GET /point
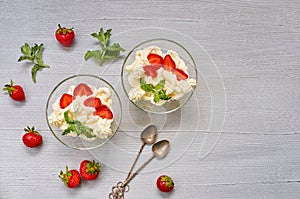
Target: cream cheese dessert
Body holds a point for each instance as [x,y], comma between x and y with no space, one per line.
[158,76]
[83,111]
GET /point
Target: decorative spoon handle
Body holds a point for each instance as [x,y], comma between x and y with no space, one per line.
[135,160]
[159,149]
[138,170]
[117,191]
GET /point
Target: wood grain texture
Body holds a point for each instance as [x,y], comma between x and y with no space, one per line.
[245,145]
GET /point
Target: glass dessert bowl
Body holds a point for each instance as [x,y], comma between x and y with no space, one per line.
[83,112]
[159,76]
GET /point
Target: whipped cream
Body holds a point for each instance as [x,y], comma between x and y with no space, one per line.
[78,111]
[174,88]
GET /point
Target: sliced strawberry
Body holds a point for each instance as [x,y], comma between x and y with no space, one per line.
[155,59]
[180,74]
[169,63]
[82,89]
[151,70]
[104,112]
[93,102]
[65,100]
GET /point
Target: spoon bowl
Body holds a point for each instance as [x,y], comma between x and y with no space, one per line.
[149,134]
[160,149]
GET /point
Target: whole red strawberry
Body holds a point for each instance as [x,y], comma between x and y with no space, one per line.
[16,92]
[32,138]
[71,178]
[164,183]
[89,170]
[65,36]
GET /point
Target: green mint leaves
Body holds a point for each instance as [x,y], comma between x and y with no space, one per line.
[158,91]
[107,52]
[33,54]
[77,127]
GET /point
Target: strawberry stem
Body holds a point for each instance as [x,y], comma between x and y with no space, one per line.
[9,87]
[31,130]
[92,167]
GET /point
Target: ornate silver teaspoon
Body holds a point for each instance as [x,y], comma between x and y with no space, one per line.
[148,136]
[160,150]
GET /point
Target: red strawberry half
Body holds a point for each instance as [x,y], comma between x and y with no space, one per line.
[155,59]
[71,178]
[89,170]
[82,89]
[169,63]
[93,102]
[151,70]
[104,112]
[180,74]
[65,100]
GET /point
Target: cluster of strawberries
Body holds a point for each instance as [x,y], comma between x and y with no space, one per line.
[88,170]
[83,89]
[166,62]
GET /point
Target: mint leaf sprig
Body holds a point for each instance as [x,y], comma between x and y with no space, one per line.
[158,91]
[107,52]
[77,127]
[33,54]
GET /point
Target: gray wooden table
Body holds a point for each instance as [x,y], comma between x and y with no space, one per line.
[238,137]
